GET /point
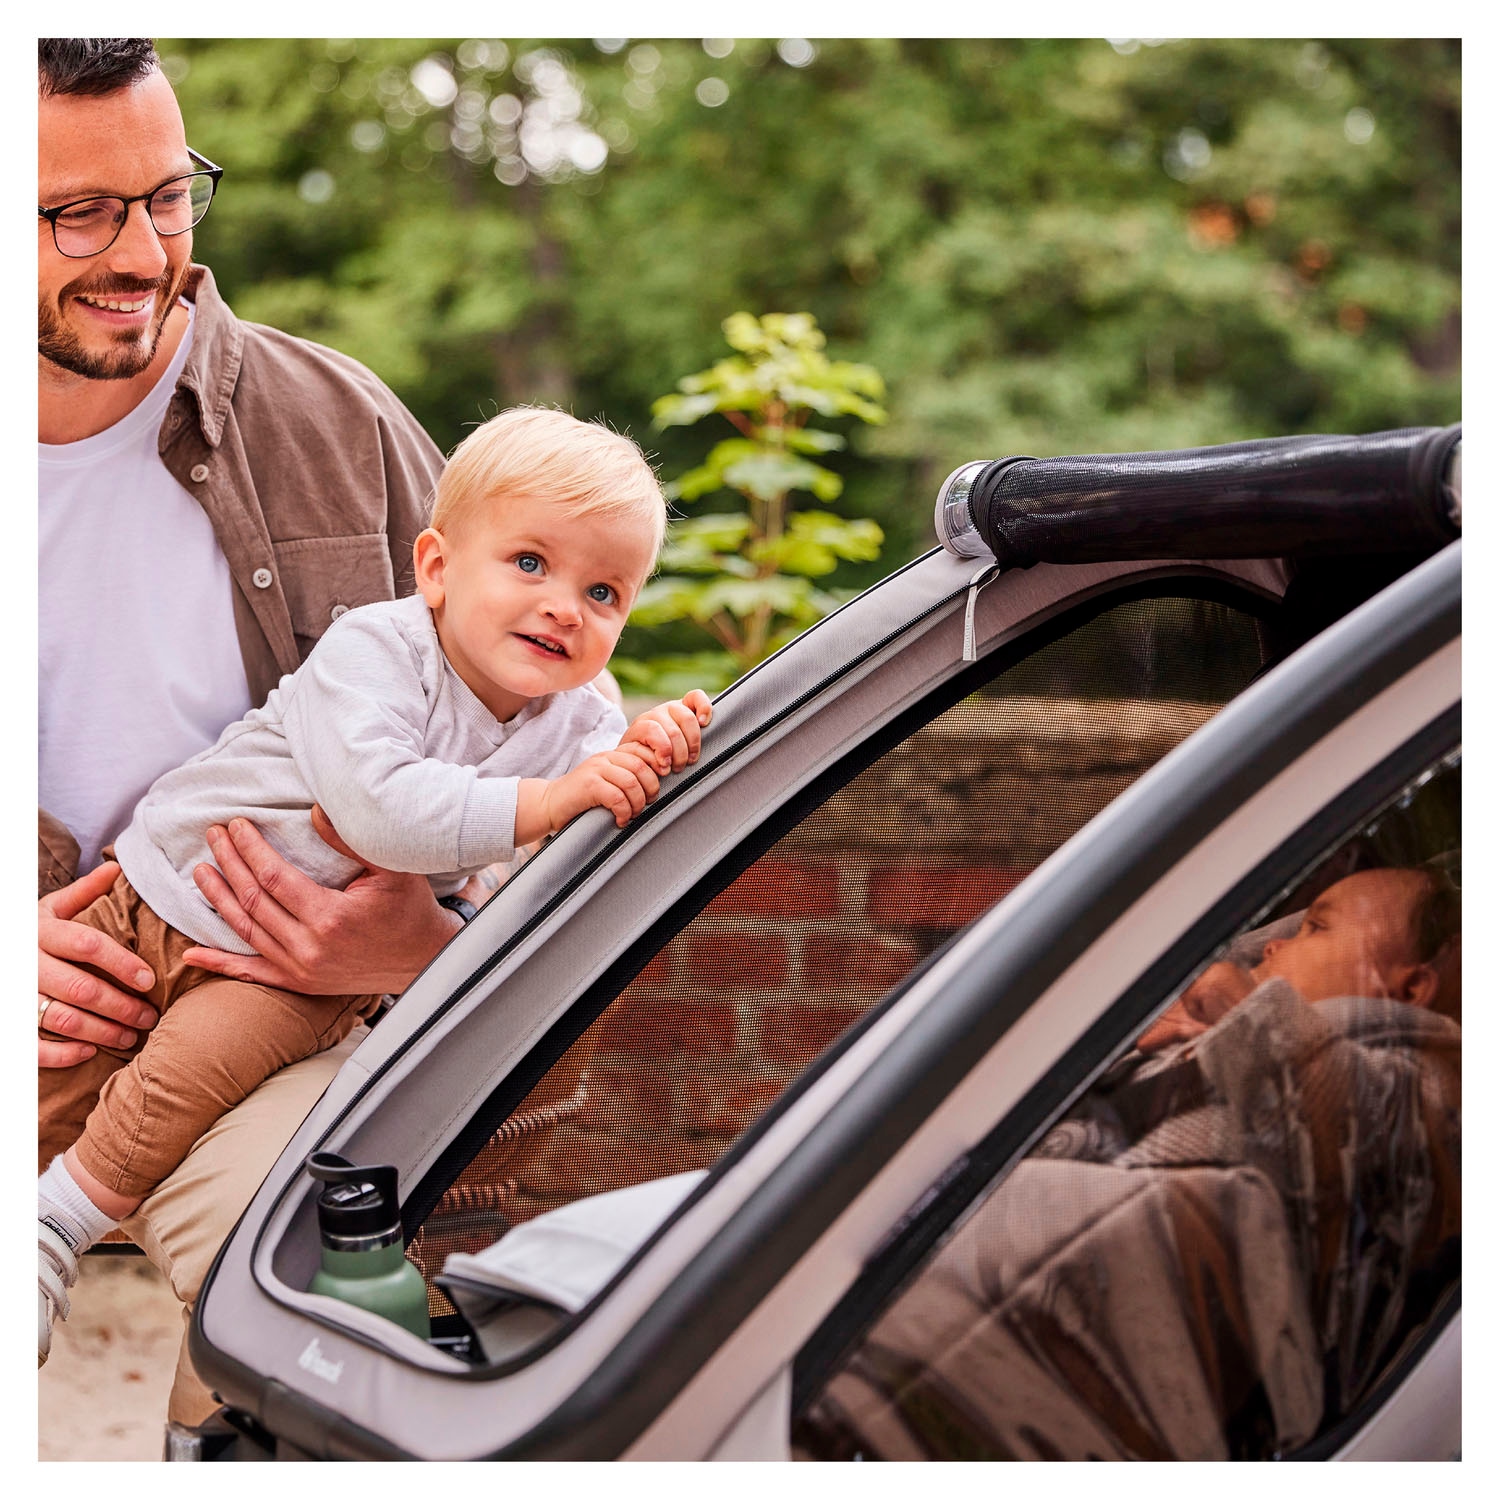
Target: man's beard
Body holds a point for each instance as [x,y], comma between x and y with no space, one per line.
[58,343]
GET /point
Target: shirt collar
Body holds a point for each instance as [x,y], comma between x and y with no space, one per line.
[213,366]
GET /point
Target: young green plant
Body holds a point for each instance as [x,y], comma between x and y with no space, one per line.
[747,577]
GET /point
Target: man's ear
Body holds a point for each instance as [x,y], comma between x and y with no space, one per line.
[1415,984]
[428,558]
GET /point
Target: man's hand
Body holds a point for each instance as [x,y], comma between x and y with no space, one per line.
[1212,995]
[84,1007]
[672,732]
[373,937]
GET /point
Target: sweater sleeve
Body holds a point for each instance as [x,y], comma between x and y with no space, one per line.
[355,720]
[603,733]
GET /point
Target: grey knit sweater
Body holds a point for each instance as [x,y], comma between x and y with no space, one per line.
[414,771]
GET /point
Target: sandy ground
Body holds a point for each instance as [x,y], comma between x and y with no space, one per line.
[113,1360]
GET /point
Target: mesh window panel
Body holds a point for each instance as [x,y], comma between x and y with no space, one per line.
[1237,1233]
[840,909]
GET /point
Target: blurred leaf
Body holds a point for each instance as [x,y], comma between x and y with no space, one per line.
[767,475]
[810,440]
[680,410]
[815,541]
[712,533]
[673,676]
[662,600]
[742,598]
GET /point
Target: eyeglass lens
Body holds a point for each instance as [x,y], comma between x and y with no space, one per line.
[175,207]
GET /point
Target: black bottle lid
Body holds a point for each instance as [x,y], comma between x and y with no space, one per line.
[357,1203]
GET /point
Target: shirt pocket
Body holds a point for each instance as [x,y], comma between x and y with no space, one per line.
[325,577]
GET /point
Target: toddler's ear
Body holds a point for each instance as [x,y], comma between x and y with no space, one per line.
[428,558]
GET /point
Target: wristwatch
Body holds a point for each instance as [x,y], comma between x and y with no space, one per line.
[466,909]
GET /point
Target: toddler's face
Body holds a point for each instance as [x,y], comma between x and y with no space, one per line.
[529,600]
[1355,939]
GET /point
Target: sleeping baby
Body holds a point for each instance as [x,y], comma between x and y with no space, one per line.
[1389,934]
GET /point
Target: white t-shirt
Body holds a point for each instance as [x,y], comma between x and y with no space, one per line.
[139,662]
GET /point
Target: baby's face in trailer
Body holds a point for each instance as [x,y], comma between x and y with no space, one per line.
[1357,938]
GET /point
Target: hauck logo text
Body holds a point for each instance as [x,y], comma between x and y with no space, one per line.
[311,1359]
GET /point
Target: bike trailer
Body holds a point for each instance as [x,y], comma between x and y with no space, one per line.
[805,1116]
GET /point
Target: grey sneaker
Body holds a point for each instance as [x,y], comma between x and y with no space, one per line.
[57,1270]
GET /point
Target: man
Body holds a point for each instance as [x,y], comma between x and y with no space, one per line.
[212,495]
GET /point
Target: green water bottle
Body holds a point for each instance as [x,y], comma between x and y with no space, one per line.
[359,1224]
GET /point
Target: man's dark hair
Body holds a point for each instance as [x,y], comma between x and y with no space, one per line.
[93,64]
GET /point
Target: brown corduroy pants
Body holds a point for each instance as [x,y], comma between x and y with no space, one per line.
[136,1113]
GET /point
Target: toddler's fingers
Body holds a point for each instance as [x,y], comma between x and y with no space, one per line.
[615,803]
[687,736]
[638,783]
[664,738]
[697,701]
[682,731]
[606,789]
[638,758]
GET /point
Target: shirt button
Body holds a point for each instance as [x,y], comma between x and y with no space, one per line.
[198,473]
[261,578]
[338,611]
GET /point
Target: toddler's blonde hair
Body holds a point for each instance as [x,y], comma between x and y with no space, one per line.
[581,467]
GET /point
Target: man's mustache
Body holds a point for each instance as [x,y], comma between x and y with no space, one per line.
[118,286]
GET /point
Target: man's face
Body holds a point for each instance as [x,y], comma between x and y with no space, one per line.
[1355,939]
[123,143]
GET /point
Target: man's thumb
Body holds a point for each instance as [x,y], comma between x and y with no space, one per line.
[329,834]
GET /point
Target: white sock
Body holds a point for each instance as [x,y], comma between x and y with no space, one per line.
[71,1211]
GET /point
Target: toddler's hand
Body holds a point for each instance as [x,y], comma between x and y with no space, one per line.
[622,780]
[671,733]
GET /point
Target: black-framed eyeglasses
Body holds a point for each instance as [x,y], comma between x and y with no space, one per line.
[90,226]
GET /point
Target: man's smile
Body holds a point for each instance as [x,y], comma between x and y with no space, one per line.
[118,304]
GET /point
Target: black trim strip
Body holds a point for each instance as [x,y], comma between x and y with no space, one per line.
[1352,1423]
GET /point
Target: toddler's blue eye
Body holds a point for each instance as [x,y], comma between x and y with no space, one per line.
[529,562]
[601,593]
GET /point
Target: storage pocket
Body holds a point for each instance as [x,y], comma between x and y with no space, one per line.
[325,577]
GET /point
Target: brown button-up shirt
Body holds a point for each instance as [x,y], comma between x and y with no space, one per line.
[316,479]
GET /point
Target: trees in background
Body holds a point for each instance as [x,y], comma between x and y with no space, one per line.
[1044,246]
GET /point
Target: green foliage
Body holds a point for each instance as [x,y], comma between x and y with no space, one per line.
[746,577]
[1063,246]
